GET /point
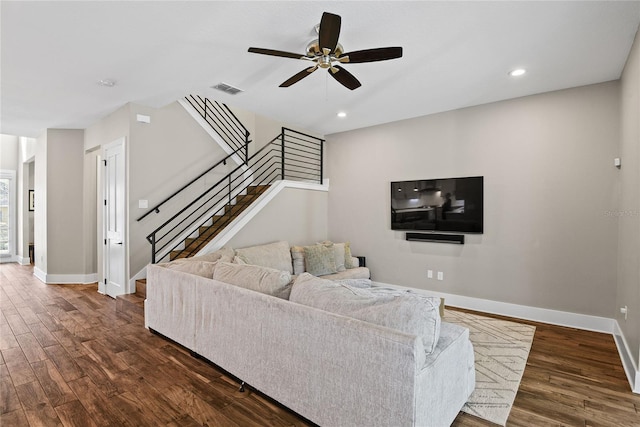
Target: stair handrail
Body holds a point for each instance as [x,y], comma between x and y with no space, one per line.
[152,236]
[223,121]
[299,157]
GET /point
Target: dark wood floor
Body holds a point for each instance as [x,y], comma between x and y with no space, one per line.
[67,358]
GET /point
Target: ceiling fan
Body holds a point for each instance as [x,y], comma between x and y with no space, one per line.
[325,52]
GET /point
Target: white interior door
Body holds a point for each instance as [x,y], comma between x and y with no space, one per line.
[114,219]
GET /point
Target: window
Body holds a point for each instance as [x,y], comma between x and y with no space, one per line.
[7,212]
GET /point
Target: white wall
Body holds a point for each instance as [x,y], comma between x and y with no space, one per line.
[628,289]
[8,152]
[40,222]
[550,185]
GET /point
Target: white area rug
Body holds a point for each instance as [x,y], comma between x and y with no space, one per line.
[501,350]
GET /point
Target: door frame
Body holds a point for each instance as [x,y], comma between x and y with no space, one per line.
[102,226]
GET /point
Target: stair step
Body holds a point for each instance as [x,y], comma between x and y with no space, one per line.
[207,233]
[141,288]
[131,307]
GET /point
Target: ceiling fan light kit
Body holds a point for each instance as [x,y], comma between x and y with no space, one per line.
[327,53]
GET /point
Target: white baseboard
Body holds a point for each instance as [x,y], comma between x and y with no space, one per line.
[23,260]
[543,315]
[65,279]
[626,356]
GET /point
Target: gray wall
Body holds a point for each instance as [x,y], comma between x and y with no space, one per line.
[58,185]
[109,129]
[163,156]
[294,215]
[629,212]
[65,246]
[550,183]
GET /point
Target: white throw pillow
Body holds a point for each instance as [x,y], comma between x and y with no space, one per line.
[260,279]
[404,311]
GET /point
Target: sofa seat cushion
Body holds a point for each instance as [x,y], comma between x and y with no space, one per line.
[273,255]
[265,280]
[401,310]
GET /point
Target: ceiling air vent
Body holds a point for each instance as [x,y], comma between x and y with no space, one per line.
[227,88]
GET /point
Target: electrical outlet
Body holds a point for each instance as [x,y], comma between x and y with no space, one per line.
[440,275]
[430,274]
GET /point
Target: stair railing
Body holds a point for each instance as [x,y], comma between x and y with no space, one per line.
[291,155]
[223,122]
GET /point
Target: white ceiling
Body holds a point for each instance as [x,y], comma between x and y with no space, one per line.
[456,54]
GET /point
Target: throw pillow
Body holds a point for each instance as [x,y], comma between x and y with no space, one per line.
[404,311]
[273,255]
[297,255]
[338,252]
[348,258]
[319,260]
[256,278]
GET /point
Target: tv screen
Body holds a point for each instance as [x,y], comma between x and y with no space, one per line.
[448,204]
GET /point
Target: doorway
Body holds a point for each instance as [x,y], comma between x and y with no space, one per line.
[114,219]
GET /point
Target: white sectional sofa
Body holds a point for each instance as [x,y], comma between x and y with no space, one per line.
[335,354]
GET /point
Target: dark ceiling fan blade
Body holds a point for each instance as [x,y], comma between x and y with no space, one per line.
[329,31]
[276,53]
[347,79]
[372,55]
[299,76]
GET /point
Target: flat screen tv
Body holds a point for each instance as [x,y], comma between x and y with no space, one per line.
[448,204]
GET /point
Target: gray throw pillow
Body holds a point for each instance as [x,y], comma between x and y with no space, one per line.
[319,260]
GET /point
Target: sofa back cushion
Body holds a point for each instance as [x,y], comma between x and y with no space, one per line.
[199,268]
[401,310]
[273,255]
[260,279]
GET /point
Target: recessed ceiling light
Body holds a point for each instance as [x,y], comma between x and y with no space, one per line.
[342,114]
[107,83]
[517,72]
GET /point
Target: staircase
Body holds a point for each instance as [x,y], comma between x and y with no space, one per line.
[217,223]
[292,155]
[131,306]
